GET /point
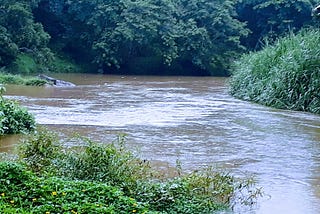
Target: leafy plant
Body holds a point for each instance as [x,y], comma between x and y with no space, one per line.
[21,191]
[110,163]
[36,82]
[40,150]
[113,164]
[14,119]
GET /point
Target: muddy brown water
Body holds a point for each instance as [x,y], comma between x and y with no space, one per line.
[192,119]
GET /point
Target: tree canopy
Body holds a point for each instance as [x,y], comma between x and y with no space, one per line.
[273,18]
[194,37]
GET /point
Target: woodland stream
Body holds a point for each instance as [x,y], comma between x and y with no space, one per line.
[192,119]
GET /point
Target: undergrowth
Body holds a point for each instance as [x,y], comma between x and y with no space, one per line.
[24,192]
[284,75]
[108,178]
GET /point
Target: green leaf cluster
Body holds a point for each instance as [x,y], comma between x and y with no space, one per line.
[14,119]
[120,34]
[18,31]
[24,192]
[273,18]
[80,179]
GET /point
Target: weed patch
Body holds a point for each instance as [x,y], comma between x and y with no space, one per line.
[24,192]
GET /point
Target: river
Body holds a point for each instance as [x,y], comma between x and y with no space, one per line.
[192,119]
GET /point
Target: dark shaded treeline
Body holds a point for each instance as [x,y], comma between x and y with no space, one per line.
[163,37]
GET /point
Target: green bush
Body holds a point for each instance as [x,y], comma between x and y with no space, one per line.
[35,82]
[24,64]
[21,191]
[14,119]
[40,149]
[110,163]
[64,64]
[202,191]
[186,194]
[8,50]
[199,192]
[284,75]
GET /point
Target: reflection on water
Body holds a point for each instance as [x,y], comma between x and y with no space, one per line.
[196,121]
[7,143]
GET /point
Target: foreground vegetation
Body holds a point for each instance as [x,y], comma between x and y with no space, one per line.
[24,192]
[284,75]
[108,178]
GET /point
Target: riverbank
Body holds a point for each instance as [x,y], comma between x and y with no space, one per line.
[285,75]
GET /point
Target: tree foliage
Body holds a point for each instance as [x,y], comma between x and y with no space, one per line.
[146,36]
[273,18]
[19,32]
[116,34]
[9,49]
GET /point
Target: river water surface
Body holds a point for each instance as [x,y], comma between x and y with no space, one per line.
[192,119]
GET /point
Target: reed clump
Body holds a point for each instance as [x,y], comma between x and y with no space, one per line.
[283,75]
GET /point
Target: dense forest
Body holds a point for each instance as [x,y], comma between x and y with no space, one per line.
[163,37]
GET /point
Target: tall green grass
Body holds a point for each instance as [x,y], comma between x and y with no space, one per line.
[284,75]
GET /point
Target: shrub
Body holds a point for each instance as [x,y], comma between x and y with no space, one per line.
[179,195]
[110,163]
[284,75]
[40,150]
[14,119]
[202,191]
[12,174]
[113,164]
[35,82]
[24,64]
[21,191]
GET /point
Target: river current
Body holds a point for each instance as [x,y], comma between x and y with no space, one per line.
[194,120]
